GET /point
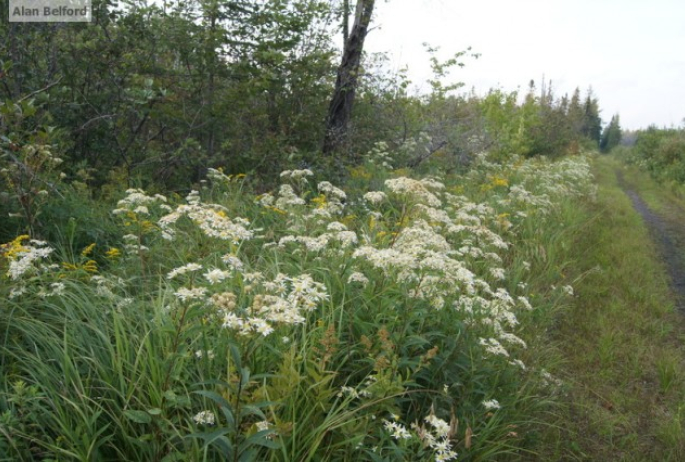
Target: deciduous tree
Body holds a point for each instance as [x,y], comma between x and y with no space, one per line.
[340,108]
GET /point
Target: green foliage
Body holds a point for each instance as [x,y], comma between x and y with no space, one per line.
[310,323]
[166,93]
[161,93]
[29,163]
[611,136]
[662,153]
[592,122]
[239,319]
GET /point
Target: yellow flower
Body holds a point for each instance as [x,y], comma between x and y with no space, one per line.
[360,172]
[147,225]
[277,210]
[88,250]
[12,248]
[320,201]
[403,222]
[348,220]
[113,253]
[498,181]
[90,266]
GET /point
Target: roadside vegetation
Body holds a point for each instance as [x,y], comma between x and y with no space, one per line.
[621,339]
[386,321]
[184,275]
[660,152]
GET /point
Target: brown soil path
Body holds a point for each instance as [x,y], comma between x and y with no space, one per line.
[668,232]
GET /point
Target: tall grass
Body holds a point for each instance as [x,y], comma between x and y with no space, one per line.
[398,318]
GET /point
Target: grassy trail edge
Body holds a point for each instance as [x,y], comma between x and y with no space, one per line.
[619,341]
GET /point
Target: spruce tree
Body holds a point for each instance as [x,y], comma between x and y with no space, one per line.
[592,123]
[611,137]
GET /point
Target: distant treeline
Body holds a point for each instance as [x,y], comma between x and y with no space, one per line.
[157,94]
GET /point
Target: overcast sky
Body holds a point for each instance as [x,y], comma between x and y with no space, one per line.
[631,52]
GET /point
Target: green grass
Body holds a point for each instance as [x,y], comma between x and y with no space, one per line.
[620,339]
[112,363]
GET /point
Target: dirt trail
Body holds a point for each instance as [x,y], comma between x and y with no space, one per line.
[668,231]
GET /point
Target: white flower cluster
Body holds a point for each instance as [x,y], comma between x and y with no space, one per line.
[491,404]
[189,268]
[204,418]
[437,435]
[331,192]
[133,245]
[494,347]
[397,430]
[375,197]
[358,277]
[281,301]
[423,261]
[185,294]
[137,202]
[332,205]
[415,191]
[353,393]
[287,198]
[209,354]
[212,219]
[216,275]
[337,232]
[549,380]
[220,178]
[296,175]
[380,156]
[27,259]
[542,183]
[450,249]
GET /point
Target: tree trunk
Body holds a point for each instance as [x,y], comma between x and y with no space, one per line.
[340,108]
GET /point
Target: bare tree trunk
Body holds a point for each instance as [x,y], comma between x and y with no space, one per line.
[210,89]
[340,108]
[346,20]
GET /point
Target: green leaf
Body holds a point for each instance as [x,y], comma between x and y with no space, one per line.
[154,411]
[217,439]
[235,354]
[140,417]
[224,405]
[244,377]
[174,457]
[261,439]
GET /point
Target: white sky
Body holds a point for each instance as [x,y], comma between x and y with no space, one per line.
[631,52]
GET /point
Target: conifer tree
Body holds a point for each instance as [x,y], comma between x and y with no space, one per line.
[592,122]
[611,137]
